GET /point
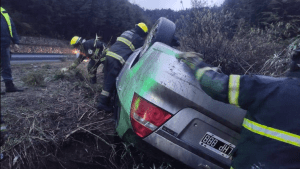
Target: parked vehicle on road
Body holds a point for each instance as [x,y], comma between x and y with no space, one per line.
[160,106]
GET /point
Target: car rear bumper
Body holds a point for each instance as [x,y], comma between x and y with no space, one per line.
[183,152]
[130,137]
[180,138]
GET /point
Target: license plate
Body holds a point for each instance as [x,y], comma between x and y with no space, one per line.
[217,145]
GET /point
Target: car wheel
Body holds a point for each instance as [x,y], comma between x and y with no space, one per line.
[162,31]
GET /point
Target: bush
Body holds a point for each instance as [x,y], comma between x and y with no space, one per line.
[277,64]
[227,42]
[34,79]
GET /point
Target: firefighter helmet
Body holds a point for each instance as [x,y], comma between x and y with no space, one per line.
[143,26]
[75,40]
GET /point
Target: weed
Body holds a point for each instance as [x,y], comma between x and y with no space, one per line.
[34,79]
[59,75]
[47,66]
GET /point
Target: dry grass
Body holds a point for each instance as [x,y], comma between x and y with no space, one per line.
[48,117]
[231,44]
[277,65]
[58,126]
[34,79]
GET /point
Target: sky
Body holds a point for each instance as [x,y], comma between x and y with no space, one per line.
[172,4]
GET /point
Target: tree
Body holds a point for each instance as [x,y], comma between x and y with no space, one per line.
[65,18]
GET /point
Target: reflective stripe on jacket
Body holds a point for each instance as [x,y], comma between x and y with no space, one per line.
[8,30]
[271,129]
[116,56]
[125,45]
[127,42]
[7,19]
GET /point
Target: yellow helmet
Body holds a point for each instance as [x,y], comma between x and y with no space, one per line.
[75,40]
[143,26]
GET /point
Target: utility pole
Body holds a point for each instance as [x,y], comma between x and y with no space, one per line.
[182,4]
[132,1]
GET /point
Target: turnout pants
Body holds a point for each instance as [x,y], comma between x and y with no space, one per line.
[5,64]
[112,69]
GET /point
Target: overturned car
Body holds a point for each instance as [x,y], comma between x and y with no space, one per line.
[160,105]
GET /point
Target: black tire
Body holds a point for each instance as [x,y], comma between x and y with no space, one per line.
[162,31]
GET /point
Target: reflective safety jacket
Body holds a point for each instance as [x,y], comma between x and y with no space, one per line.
[125,45]
[8,30]
[270,137]
[89,49]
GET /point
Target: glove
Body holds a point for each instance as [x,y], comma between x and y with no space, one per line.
[63,70]
[192,59]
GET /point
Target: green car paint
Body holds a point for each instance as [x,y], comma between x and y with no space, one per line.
[137,67]
[147,85]
[126,94]
[136,74]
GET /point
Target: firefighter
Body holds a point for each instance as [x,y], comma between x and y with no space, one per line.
[270,137]
[115,59]
[8,34]
[93,49]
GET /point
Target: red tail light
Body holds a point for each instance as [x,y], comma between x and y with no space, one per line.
[146,117]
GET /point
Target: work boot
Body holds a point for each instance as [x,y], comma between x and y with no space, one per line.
[10,87]
[93,80]
[104,104]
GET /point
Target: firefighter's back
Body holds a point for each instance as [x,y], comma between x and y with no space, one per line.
[271,134]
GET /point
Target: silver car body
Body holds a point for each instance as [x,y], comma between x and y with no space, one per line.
[160,78]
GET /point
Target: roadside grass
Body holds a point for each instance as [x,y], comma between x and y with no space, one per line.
[44,120]
[233,45]
[56,125]
[81,81]
[34,79]
[277,65]
[47,66]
